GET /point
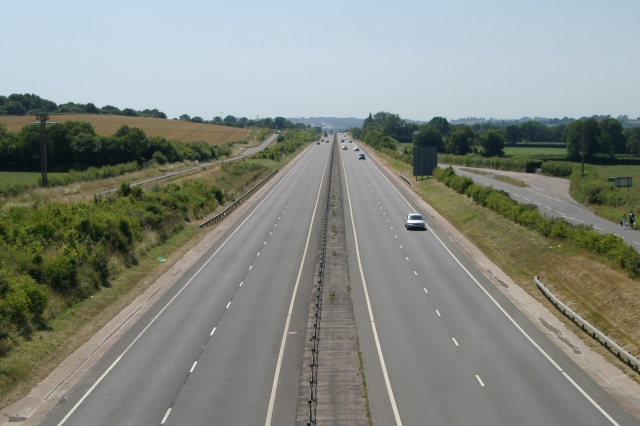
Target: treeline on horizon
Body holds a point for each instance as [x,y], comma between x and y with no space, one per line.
[75,145]
[602,137]
[30,104]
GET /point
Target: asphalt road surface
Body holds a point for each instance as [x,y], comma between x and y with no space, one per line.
[441,345]
[207,353]
[551,202]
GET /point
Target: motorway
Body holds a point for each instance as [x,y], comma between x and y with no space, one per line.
[552,202]
[441,344]
[209,350]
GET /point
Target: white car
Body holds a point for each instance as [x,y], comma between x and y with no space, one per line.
[414,220]
[356,149]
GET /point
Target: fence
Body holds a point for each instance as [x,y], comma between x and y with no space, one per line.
[217,218]
[597,334]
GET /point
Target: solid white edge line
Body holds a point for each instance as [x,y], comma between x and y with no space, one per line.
[495,302]
[166,416]
[88,392]
[274,387]
[193,366]
[366,295]
[595,404]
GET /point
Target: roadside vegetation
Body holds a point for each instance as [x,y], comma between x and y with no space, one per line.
[578,265]
[611,149]
[67,267]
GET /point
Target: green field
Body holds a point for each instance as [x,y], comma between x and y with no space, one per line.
[21,178]
[621,171]
[534,152]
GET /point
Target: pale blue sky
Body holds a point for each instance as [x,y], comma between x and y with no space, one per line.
[419,59]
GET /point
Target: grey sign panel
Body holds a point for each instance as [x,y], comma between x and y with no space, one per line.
[425,160]
[623,182]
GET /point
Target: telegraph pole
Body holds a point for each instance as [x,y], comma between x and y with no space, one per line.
[583,153]
[42,121]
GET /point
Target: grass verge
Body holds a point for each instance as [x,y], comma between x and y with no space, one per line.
[600,291]
[30,360]
[512,181]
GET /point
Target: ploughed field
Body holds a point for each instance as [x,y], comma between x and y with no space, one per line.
[106,125]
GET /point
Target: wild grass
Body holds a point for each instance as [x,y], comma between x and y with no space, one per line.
[599,290]
[29,361]
[512,181]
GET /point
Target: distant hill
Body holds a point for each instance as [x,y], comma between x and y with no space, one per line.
[329,122]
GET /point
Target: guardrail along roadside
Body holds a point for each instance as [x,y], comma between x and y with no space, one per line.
[224,213]
[608,343]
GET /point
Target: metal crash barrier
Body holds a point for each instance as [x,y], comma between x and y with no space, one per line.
[632,361]
[224,213]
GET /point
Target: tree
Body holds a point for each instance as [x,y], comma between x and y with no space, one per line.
[367,121]
[108,109]
[595,140]
[613,128]
[392,125]
[279,123]
[441,124]
[512,134]
[533,131]
[91,109]
[460,141]
[185,117]
[230,121]
[428,136]
[633,143]
[129,112]
[197,119]
[492,143]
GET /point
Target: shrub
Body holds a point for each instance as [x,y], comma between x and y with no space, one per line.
[159,157]
[557,168]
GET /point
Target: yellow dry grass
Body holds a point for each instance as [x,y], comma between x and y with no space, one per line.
[106,125]
[595,288]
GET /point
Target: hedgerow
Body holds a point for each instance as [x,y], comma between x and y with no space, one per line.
[610,246]
[288,142]
[68,248]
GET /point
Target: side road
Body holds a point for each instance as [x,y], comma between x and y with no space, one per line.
[35,406]
[246,153]
[610,378]
[551,196]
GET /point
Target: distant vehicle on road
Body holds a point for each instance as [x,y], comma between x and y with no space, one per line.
[356,149]
[318,143]
[414,221]
[361,157]
[344,147]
